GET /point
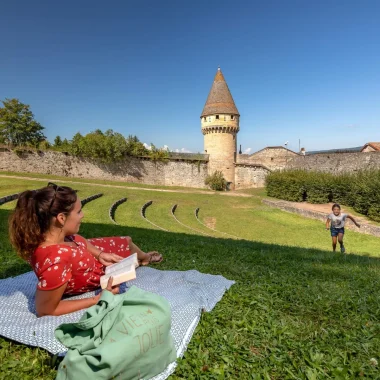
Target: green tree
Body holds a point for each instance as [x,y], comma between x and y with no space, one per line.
[17,124]
[158,154]
[58,142]
[135,147]
[44,145]
[76,146]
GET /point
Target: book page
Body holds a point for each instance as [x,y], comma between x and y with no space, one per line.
[125,263]
[121,275]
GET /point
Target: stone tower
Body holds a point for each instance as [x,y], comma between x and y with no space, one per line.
[220,125]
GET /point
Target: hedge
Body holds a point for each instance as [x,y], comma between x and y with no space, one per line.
[360,190]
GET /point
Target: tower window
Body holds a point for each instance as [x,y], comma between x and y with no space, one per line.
[232,117]
[209,118]
[217,117]
[224,117]
[204,119]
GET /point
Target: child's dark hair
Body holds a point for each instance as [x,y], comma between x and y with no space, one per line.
[335,205]
[33,215]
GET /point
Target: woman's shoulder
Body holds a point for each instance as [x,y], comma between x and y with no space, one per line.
[45,256]
[78,239]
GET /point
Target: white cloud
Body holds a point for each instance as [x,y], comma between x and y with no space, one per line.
[149,147]
[183,150]
[247,151]
[165,147]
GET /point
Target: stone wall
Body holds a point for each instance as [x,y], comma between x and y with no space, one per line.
[249,176]
[336,162]
[273,158]
[132,169]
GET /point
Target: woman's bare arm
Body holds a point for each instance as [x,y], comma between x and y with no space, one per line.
[49,302]
[327,223]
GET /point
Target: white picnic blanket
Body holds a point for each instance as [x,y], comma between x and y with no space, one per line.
[188,293]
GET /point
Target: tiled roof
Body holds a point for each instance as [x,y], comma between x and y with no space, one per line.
[374,145]
[219,99]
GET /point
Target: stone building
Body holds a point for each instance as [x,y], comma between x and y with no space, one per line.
[220,125]
[371,147]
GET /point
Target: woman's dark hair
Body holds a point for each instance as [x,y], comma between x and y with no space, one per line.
[33,214]
[335,205]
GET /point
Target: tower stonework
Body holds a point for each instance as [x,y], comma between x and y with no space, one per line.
[220,125]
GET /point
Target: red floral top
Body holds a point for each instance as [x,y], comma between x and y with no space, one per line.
[58,264]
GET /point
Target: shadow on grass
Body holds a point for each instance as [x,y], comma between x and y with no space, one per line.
[185,252]
[288,303]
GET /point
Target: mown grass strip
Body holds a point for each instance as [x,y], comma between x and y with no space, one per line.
[196,214]
[143,209]
[173,210]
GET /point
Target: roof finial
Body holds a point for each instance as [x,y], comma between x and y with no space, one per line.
[218,67]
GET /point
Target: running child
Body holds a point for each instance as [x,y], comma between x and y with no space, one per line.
[335,223]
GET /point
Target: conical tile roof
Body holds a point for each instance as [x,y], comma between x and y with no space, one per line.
[219,99]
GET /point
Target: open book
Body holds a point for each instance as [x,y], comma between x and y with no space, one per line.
[124,270]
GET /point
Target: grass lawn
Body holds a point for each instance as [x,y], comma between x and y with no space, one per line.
[297,311]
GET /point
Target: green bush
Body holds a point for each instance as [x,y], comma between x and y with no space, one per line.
[318,189]
[289,185]
[340,187]
[359,190]
[216,181]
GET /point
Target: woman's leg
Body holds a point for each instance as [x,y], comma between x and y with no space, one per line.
[340,240]
[334,239]
[124,247]
[145,258]
[119,245]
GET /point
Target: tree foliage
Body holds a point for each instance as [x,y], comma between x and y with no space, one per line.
[18,126]
[105,146]
[58,142]
[216,181]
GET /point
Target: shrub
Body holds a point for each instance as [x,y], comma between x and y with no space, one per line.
[288,185]
[359,190]
[216,181]
[340,187]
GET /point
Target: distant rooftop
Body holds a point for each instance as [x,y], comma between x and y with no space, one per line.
[373,145]
[343,150]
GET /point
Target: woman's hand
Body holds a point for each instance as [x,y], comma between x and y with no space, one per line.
[110,288]
[109,258]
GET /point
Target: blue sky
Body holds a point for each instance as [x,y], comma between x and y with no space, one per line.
[296,69]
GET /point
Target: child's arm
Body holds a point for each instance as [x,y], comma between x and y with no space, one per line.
[352,218]
[328,224]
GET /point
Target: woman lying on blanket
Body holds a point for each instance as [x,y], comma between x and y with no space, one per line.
[43,229]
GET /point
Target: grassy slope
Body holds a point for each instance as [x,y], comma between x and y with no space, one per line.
[297,311]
